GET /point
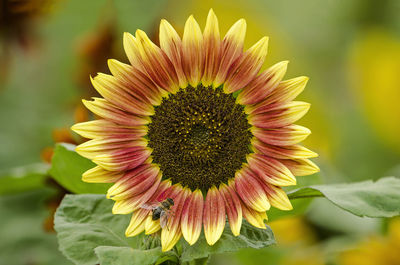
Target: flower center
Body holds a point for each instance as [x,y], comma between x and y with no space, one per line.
[199,137]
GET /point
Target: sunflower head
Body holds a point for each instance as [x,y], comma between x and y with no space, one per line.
[195,122]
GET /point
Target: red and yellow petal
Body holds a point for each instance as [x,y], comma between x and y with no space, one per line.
[105,146]
[277,197]
[171,235]
[151,226]
[192,217]
[156,63]
[104,128]
[171,44]
[100,175]
[284,136]
[287,90]
[278,115]
[140,217]
[262,86]
[232,48]
[132,51]
[136,82]
[283,152]
[108,111]
[246,68]
[124,159]
[233,207]
[270,170]
[109,87]
[193,51]
[128,205]
[253,217]
[134,182]
[250,190]
[137,223]
[301,167]
[212,49]
[213,216]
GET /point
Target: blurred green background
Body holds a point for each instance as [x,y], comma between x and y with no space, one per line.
[349,49]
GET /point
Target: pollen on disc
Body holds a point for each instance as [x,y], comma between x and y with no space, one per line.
[199,136]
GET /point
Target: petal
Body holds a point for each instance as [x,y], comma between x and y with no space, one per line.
[246,67]
[171,234]
[288,90]
[132,51]
[279,115]
[301,167]
[104,128]
[124,159]
[108,111]
[99,175]
[277,197]
[139,217]
[233,207]
[262,86]
[151,226]
[137,223]
[171,44]
[192,46]
[163,192]
[250,190]
[134,182]
[253,217]
[286,152]
[192,217]
[100,146]
[109,87]
[135,81]
[214,216]
[288,135]
[156,63]
[232,48]
[212,49]
[129,205]
[270,170]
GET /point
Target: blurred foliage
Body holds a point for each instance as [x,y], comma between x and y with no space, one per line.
[23,240]
[23,178]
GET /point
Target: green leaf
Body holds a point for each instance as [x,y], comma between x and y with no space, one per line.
[23,178]
[67,168]
[130,256]
[250,237]
[23,239]
[367,198]
[84,222]
[88,233]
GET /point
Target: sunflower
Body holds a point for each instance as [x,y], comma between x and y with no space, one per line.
[194,121]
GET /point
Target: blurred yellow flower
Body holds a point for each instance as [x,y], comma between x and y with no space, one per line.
[377,250]
[292,231]
[296,233]
[375,75]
